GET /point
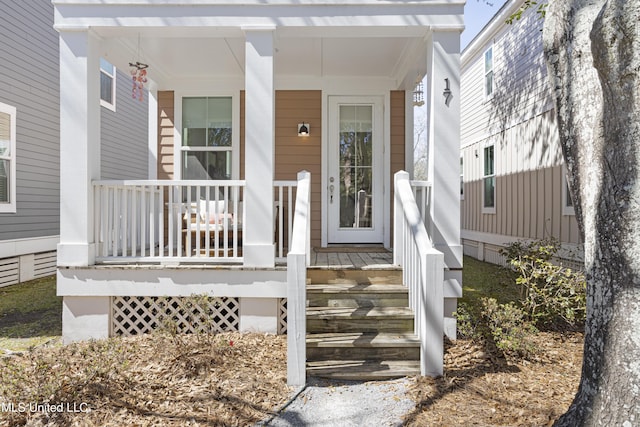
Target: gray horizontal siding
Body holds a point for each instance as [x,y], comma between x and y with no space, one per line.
[521,90]
[124,149]
[29,81]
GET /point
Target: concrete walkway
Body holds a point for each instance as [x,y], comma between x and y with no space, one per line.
[346,404]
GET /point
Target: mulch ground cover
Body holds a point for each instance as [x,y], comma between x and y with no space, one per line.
[239,379]
[482,388]
[153,380]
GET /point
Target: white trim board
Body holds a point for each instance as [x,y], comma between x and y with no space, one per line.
[156,281]
[17,247]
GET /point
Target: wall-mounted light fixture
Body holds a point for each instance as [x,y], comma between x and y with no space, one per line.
[303,129]
[447,92]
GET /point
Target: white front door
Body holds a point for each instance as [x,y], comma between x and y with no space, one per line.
[355,170]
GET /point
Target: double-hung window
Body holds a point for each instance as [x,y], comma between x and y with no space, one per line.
[489,180]
[7,158]
[488,72]
[107,85]
[567,202]
[207,138]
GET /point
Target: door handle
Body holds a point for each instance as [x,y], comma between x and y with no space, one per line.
[331,188]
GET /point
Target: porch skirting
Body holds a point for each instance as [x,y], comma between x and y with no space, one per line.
[103,301]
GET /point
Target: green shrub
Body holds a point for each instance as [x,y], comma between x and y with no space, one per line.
[549,293]
[509,328]
[467,325]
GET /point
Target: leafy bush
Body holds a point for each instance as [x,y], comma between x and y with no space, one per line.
[549,293]
[509,328]
[467,325]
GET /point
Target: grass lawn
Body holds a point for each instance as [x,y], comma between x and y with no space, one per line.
[481,279]
[30,314]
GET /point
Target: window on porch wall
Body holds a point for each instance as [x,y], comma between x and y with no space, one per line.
[107,85]
[206,138]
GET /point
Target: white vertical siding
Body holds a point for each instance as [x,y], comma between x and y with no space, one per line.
[519,120]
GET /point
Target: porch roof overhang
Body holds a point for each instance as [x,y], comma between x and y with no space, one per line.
[313,38]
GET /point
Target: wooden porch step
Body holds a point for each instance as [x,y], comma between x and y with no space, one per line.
[337,276]
[363,346]
[357,295]
[359,319]
[363,370]
[359,325]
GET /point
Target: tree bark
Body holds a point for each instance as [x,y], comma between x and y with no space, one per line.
[593,55]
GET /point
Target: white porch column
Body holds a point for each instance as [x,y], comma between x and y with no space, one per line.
[258,239]
[443,62]
[79,144]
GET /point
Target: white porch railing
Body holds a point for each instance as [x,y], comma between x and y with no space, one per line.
[297,261]
[284,199]
[423,270]
[180,221]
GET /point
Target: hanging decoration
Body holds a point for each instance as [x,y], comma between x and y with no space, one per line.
[139,77]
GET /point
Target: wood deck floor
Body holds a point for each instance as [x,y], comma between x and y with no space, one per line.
[352,258]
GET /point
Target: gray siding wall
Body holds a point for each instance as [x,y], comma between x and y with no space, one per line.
[519,121]
[29,81]
[124,133]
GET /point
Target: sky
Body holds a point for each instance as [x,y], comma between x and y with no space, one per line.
[476,15]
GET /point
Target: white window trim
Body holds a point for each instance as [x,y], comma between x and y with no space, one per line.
[566,210]
[110,105]
[10,206]
[235,131]
[488,96]
[489,210]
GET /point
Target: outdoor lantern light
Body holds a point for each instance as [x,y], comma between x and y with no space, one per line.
[303,129]
[447,92]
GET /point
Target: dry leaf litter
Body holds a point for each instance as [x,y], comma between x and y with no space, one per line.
[236,379]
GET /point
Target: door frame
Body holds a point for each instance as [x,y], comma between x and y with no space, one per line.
[386,162]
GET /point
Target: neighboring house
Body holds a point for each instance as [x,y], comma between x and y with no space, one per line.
[513,184]
[30,139]
[243,96]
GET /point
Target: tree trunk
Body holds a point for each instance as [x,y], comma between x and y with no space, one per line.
[593,55]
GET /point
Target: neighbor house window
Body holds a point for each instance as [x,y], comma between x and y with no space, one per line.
[489,180]
[567,202]
[461,178]
[7,158]
[207,146]
[488,72]
[107,85]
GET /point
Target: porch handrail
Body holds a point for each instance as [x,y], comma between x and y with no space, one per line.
[298,259]
[423,273]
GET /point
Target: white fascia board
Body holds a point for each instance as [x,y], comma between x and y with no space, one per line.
[211,14]
[165,281]
[495,25]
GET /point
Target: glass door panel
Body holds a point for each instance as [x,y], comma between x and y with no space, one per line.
[356,165]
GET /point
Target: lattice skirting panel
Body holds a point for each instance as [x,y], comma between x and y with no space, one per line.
[139,315]
[282,316]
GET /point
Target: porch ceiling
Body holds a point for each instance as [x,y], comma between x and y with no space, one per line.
[204,39]
[205,56]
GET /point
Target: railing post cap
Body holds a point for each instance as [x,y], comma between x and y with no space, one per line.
[402,174]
